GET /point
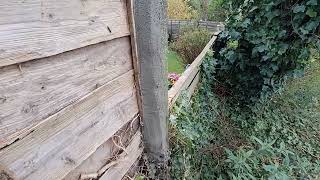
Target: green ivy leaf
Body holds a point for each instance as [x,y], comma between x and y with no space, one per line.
[245,23]
[312,26]
[262,48]
[312,2]
[310,12]
[272,14]
[299,8]
[304,31]
[231,56]
[304,54]
[283,48]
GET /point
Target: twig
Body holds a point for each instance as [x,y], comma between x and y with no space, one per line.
[117,145]
[20,68]
[100,172]
[128,177]
[106,167]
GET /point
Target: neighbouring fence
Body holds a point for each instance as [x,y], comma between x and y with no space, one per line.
[68,101]
[190,78]
[175,26]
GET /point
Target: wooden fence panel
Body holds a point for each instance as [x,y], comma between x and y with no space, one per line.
[36,29]
[43,87]
[175,26]
[125,162]
[106,154]
[69,89]
[69,137]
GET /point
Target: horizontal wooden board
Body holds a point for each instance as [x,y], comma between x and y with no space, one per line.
[124,164]
[31,29]
[66,139]
[43,87]
[193,86]
[106,152]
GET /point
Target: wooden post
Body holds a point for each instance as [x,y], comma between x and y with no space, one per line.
[151,37]
[171,30]
[179,29]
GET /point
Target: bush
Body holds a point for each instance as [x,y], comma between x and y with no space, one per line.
[217,10]
[179,9]
[191,42]
[264,43]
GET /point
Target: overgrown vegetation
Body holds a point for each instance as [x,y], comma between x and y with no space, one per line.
[212,10]
[256,114]
[180,9]
[190,43]
[277,139]
[217,10]
[264,43]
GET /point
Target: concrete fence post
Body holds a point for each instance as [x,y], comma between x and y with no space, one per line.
[151,37]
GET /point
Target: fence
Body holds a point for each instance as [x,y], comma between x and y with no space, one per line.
[175,26]
[68,92]
[190,77]
[73,89]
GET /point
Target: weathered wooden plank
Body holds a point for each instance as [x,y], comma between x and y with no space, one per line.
[124,164]
[186,79]
[31,29]
[135,56]
[46,86]
[192,87]
[63,141]
[106,152]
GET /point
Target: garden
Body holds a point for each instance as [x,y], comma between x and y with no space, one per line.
[256,111]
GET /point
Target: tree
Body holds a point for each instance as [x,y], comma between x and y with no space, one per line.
[180,9]
[217,10]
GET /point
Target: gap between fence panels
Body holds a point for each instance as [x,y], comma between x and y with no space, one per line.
[190,77]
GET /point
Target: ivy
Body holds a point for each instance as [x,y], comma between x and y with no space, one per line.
[264,43]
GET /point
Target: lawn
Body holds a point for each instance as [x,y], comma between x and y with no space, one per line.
[175,63]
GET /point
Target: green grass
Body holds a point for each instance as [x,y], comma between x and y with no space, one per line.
[175,63]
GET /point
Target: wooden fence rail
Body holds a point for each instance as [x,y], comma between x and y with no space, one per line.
[190,78]
[175,26]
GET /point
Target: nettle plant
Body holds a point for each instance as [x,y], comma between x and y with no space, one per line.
[265,42]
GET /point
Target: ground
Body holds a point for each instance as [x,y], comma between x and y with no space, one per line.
[175,64]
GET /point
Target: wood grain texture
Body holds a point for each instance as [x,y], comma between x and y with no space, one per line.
[31,29]
[63,141]
[117,171]
[106,152]
[135,56]
[187,77]
[193,86]
[48,85]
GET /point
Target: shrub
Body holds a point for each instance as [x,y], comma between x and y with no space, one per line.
[179,9]
[264,43]
[191,42]
[217,10]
